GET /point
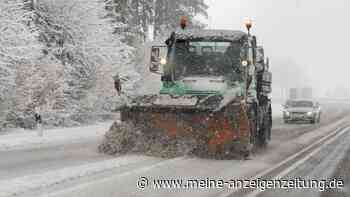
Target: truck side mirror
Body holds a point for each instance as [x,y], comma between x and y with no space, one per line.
[157,58]
[267,64]
[260,57]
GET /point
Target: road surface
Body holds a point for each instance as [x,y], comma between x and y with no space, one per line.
[65,163]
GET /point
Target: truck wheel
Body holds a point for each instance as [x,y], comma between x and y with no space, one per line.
[264,132]
[313,121]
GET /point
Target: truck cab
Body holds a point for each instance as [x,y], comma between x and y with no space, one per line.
[210,62]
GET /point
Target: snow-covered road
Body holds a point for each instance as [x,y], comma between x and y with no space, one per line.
[22,184]
[54,137]
[65,162]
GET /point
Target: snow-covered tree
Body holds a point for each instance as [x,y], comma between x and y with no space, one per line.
[133,17]
[169,12]
[77,34]
[18,46]
[61,55]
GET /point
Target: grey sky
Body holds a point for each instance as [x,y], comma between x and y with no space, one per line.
[314,32]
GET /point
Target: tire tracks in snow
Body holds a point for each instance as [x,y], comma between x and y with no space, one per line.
[23,186]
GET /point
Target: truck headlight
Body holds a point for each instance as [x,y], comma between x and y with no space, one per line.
[245,63]
[310,113]
[163,61]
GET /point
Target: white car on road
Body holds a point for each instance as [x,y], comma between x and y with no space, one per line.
[301,110]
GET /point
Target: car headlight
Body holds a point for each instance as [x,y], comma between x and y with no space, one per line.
[310,113]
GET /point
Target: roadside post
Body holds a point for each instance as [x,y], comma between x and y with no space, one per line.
[38,121]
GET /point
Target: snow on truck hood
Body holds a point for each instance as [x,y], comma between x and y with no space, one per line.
[216,94]
[202,84]
[217,84]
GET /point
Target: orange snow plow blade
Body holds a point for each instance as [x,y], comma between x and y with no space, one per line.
[212,132]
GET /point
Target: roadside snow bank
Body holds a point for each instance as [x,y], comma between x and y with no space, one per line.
[23,184]
[52,137]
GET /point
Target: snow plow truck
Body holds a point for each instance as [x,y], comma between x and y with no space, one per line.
[214,98]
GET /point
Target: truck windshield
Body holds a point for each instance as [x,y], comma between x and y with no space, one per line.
[206,58]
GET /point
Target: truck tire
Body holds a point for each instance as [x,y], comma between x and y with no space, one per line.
[252,115]
[259,134]
[263,134]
